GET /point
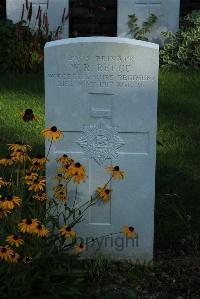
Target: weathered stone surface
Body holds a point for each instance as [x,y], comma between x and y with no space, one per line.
[102,92]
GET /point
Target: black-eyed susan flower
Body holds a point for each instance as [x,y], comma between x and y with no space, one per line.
[59,187]
[30,177]
[3,212]
[10,201]
[65,160]
[41,230]
[20,156]
[129,231]
[7,161]
[67,232]
[28,115]
[77,171]
[14,240]
[42,196]
[80,247]
[52,133]
[27,260]
[5,253]
[19,146]
[59,177]
[36,166]
[116,172]
[104,193]
[37,184]
[61,196]
[28,225]
[14,258]
[2,182]
[41,160]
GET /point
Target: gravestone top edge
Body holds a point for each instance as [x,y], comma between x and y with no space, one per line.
[102,39]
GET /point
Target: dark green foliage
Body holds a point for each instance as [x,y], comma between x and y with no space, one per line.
[141,33]
[21,49]
[182,49]
[52,275]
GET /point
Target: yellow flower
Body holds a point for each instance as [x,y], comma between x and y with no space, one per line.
[41,230]
[19,146]
[5,253]
[37,185]
[78,171]
[129,231]
[104,193]
[3,211]
[36,166]
[2,182]
[28,225]
[27,260]
[59,177]
[10,201]
[80,247]
[40,196]
[116,172]
[61,195]
[66,231]
[20,156]
[65,160]
[30,177]
[28,115]
[14,258]
[52,133]
[15,240]
[7,161]
[41,160]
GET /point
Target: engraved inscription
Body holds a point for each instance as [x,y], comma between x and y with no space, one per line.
[100,142]
[100,71]
[104,113]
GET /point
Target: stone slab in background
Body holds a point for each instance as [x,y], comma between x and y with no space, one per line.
[102,92]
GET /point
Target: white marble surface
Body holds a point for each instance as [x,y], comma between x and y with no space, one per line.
[167,12]
[108,86]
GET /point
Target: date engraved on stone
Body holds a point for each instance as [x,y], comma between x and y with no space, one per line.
[98,113]
[100,142]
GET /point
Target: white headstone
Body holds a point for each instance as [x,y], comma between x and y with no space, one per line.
[102,92]
[167,13]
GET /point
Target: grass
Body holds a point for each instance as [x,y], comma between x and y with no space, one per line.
[178,159]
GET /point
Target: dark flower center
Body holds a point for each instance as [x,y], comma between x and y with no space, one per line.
[8,157]
[116,168]
[4,250]
[60,185]
[53,129]
[15,237]
[66,166]
[77,165]
[36,181]
[29,221]
[61,193]
[39,227]
[28,259]
[40,194]
[28,111]
[36,164]
[131,228]
[107,191]
[68,229]
[65,156]
[60,174]
[9,198]
[39,156]
[13,255]
[81,246]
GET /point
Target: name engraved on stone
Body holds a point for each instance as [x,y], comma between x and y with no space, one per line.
[104,113]
[101,72]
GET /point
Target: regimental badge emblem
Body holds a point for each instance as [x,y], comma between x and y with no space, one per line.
[100,142]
